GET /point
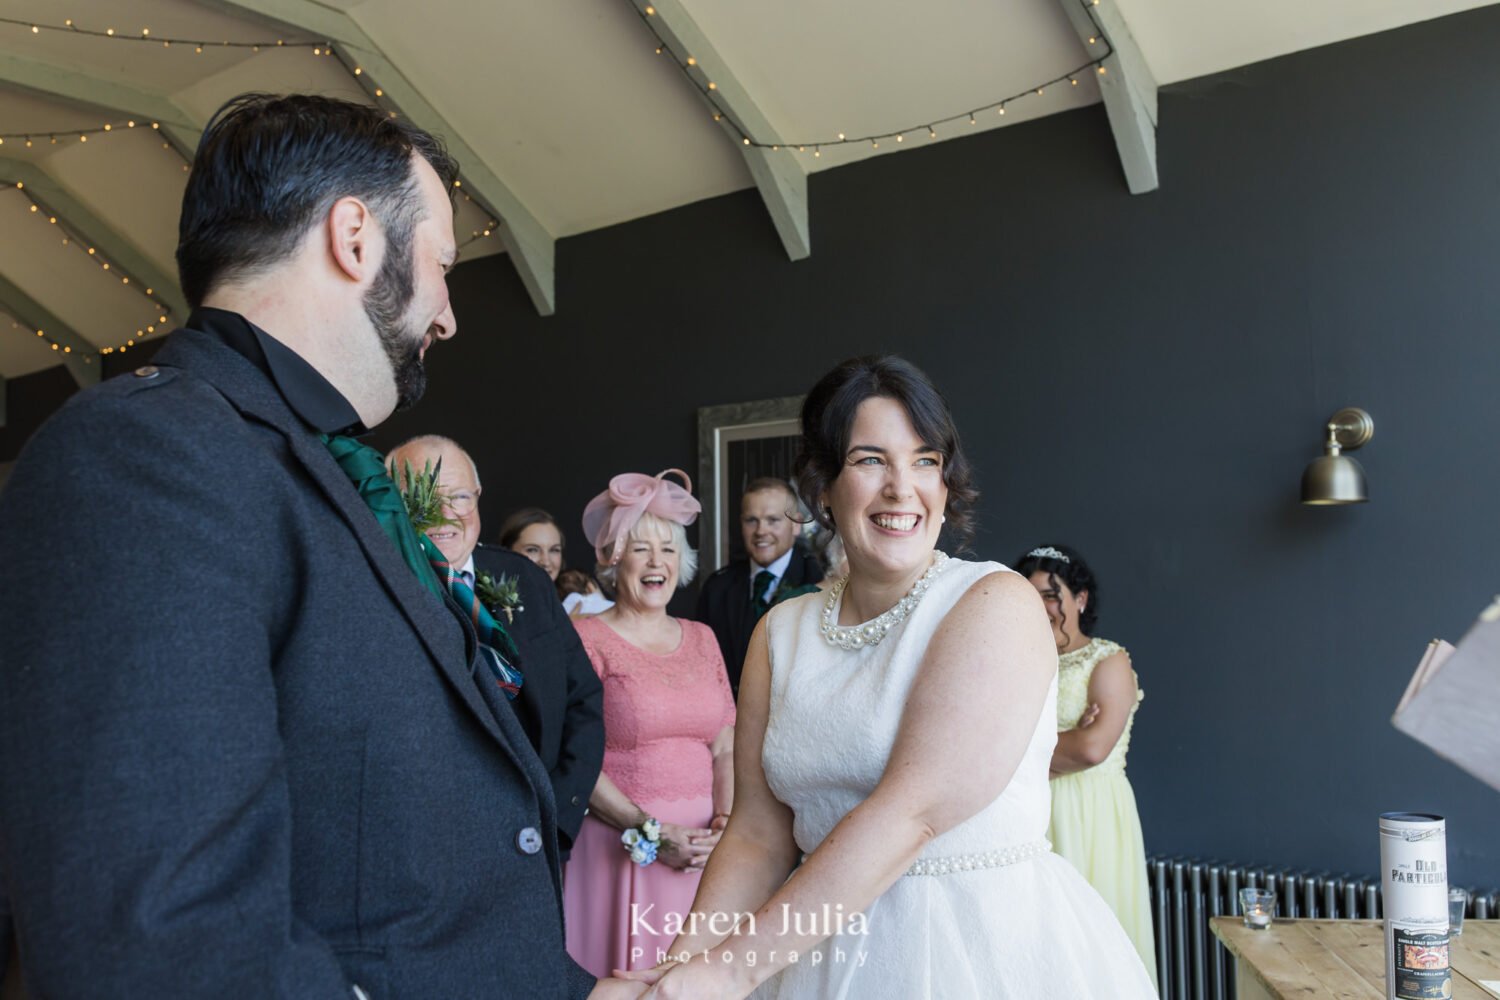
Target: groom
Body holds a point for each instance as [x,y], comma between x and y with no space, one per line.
[243,749]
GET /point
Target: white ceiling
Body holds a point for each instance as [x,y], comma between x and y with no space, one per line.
[565,102]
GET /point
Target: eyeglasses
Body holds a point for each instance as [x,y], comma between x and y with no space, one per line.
[461,503]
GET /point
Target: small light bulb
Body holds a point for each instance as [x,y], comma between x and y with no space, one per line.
[817,152]
[379,92]
[91,251]
[1092,39]
[148,291]
[841,137]
[650,11]
[747,141]
[107,126]
[124,281]
[110,32]
[900,138]
[692,61]
[145,32]
[1101,71]
[712,85]
[358,70]
[156,124]
[198,49]
[67,350]
[106,266]
[931,132]
[130,123]
[971,119]
[874,144]
[1073,80]
[83,138]
[1000,110]
[33,208]
[35,30]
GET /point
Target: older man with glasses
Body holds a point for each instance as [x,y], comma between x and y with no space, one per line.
[561,701]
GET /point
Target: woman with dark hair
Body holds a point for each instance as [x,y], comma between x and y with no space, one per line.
[1094,820]
[893,741]
[533,533]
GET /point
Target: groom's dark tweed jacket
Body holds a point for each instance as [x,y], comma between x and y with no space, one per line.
[241,751]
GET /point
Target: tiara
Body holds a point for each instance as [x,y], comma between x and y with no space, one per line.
[1047,552]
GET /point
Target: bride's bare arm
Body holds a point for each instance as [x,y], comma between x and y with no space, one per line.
[756,852]
[968,721]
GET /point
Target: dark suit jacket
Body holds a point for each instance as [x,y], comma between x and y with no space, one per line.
[724,605]
[241,749]
[561,704]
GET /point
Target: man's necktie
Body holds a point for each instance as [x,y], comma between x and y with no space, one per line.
[758,600]
[366,470]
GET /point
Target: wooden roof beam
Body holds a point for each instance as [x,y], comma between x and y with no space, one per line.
[531,247]
[82,361]
[114,247]
[778,175]
[1128,87]
[181,130]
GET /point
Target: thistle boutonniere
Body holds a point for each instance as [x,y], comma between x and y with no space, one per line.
[424,500]
[499,594]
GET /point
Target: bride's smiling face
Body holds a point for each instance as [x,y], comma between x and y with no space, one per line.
[889,496]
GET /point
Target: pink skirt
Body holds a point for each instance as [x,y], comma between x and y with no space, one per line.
[617,912]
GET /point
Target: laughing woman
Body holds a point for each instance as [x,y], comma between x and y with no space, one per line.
[667,786]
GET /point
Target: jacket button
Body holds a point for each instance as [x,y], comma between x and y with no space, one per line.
[529,840]
[575,800]
[147,371]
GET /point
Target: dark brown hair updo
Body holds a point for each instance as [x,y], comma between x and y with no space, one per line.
[520,520]
[828,418]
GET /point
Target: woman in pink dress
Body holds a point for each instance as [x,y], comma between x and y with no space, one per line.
[667,786]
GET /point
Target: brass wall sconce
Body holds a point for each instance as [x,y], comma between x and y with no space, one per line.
[1336,478]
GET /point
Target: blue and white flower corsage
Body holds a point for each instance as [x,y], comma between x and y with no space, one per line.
[642,842]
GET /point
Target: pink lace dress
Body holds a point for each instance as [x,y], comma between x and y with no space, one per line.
[661,713]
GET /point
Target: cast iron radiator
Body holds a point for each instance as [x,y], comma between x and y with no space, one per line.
[1185,893]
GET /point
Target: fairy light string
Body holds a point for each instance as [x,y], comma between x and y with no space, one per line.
[319,48]
[71,238]
[688,65]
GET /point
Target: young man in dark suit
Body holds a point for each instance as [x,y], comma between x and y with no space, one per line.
[244,750]
[561,704]
[733,598]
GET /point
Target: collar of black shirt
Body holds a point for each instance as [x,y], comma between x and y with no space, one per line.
[311,396]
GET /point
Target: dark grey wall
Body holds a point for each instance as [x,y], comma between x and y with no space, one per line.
[1143,377]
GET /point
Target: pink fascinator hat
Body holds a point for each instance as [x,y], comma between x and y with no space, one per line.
[611,515]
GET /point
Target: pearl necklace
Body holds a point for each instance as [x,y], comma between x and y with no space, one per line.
[871,632]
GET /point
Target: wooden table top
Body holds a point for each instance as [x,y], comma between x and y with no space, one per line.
[1345,959]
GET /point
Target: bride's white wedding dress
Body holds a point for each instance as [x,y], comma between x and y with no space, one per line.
[987,911]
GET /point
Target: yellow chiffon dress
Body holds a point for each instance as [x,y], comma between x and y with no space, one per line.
[1095,824]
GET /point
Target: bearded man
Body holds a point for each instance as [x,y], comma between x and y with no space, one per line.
[245,746]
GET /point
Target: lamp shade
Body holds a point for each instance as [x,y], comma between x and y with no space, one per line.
[1333,479]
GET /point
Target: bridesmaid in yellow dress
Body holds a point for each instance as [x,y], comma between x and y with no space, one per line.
[1094,820]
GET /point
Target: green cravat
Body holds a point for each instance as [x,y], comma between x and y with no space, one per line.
[763,581]
[366,470]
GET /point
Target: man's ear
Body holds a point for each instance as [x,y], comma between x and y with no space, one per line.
[354,239]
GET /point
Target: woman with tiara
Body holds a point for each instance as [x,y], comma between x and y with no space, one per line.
[1094,820]
[892,750]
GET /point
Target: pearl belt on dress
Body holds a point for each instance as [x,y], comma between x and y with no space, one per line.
[977,862]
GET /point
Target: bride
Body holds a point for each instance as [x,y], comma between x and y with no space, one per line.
[891,795]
